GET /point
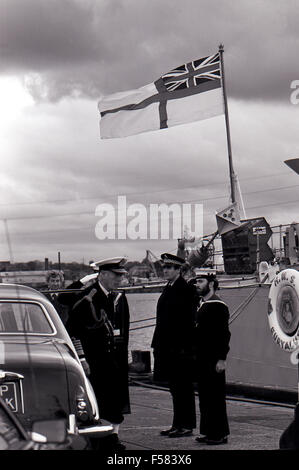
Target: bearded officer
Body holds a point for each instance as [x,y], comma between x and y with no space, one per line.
[172,344]
[212,337]
[98,325]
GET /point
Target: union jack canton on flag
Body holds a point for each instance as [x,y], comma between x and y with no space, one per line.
[190,92]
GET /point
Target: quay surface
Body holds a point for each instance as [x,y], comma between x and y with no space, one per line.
[253,426]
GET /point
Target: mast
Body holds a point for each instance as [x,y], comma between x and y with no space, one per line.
[229,148]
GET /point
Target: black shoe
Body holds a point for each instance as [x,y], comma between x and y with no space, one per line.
[201,440]
[167,431]
[180,433]
[113,443]
[216,442]
[120,447]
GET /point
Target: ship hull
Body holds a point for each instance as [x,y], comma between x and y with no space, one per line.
[255,360]
[255,363]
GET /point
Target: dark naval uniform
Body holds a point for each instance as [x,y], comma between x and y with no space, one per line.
[211,345]
[172,346]
[102,328]
[120,321]
[62,310]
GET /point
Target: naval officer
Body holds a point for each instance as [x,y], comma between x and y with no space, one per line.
[172,345]
[98,325]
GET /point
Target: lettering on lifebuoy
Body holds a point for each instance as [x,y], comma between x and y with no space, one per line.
[283,309]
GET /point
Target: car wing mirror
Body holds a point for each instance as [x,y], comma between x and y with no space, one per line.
[49,431]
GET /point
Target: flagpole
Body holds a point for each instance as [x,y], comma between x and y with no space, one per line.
[229,147]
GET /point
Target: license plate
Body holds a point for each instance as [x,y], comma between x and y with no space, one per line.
[8,393]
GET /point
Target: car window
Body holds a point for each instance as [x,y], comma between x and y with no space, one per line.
[17,317]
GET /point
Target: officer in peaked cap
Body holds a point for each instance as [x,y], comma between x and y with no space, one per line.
[115,265]
[211,321]
[169,259]
[172,345]
[99,327]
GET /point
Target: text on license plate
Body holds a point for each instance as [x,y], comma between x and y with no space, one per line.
[8,393]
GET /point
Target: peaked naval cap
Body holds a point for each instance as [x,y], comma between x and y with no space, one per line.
[116,265]
[172,260]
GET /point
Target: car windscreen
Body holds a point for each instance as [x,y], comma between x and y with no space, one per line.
[19,317]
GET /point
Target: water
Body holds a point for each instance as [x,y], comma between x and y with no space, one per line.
[142,306]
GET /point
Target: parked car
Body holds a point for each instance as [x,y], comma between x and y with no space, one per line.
[46,435]
[41,377]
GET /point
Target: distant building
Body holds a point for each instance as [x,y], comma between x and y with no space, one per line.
[28,278]
[4,265]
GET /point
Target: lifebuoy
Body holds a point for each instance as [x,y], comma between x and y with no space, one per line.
[283,309]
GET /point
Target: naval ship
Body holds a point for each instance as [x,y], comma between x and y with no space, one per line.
[258,362]
[259,281]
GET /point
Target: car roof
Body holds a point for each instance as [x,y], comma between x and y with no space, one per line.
[18,291]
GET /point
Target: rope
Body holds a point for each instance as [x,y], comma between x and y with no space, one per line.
[141,327]
[233,316]
[242,306]
[145,319]
[245,302]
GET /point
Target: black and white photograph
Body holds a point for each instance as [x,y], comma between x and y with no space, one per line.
[149,228]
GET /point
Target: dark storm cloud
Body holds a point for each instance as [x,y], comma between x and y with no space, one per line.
[89,48]
[44,34]
[84,48]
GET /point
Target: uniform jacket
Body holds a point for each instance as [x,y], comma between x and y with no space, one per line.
[172,340]
[89,322]
[174,324]
[121,323]
[94,315]
[62,310]
[71,297]
[212,333]
[102,326]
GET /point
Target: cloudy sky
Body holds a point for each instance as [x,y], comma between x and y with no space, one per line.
[58,57]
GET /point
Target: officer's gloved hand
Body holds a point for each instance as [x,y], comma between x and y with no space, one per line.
[88,278]
[85,366]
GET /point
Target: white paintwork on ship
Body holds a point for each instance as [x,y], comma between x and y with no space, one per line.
[254,357]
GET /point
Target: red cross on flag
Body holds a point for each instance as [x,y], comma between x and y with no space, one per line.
[188,93]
